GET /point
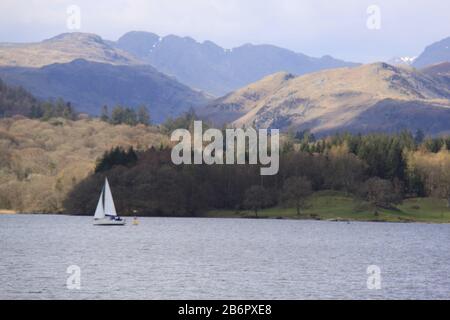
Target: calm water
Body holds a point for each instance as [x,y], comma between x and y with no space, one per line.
[221,259]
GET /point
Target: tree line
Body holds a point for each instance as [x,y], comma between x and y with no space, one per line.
[18,101]
[126,115]
[379,169]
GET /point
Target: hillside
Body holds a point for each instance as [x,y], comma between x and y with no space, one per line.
[433,54]
[439,70]
[90,85]
[40,161]
[209,67]
[375,97]
[203,66]
[15,101]
[62,49]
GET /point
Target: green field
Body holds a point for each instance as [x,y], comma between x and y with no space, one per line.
[331,205]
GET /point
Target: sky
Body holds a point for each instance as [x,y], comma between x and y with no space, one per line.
[354,30]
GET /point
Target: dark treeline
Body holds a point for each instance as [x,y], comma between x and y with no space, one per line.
[126,115]
[116,157]
[17,101]
[376,168]
[185,121]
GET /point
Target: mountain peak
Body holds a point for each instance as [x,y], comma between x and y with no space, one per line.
[143,35]
[76,36]
[138,43]
[217,70]
[64,48]
[402,61]
[380,66]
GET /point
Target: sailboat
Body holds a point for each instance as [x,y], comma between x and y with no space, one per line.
[105,214]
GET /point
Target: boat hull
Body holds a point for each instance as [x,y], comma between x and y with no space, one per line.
[109,222]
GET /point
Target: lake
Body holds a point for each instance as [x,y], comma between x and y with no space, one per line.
[165,258]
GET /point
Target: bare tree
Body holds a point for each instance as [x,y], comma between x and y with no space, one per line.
[295,192]
[256,198]
[380,193]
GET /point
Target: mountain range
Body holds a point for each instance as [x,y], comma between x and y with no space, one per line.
[90,72]
[375,97]
[267,86]
[209,67]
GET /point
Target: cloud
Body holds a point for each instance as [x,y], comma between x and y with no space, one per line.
[315,27]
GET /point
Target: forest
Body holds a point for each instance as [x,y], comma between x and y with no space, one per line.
[380,169]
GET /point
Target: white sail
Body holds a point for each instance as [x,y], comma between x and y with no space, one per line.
[100,212]
[110,209]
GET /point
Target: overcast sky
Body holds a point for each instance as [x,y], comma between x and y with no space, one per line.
[314,27]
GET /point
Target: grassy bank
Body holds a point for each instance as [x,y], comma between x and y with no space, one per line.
[328,205]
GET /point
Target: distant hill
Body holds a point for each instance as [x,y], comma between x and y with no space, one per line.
[90,85]
[211,68]
[375,97]
[61,49]
[435,53]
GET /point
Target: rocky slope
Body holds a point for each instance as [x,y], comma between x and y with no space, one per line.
[433,54]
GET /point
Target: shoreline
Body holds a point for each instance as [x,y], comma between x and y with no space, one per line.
[285,218]
[322,206]
[337,219]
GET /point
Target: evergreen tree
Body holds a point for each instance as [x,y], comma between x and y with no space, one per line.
[419,136]
[104,116]
[68,112]
[114,157]
[130,117]
[143,116]
[36,111]
[117,115]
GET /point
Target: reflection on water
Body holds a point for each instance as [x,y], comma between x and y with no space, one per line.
[221,259]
